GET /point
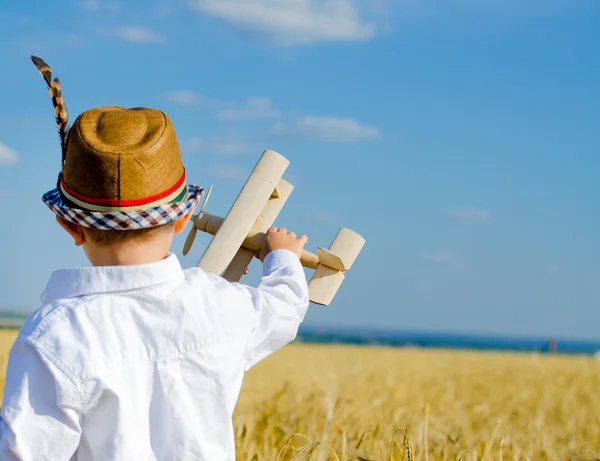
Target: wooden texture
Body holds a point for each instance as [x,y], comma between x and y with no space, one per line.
[210,224]
[326,281]
[327,258]
[239,265]
[239,237]
[189,241]
[324,285]
[347,245]
[244,212]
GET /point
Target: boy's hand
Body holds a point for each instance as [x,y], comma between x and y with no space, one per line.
[281,239]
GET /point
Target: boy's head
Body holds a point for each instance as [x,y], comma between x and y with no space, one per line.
[122,187]
[117,247]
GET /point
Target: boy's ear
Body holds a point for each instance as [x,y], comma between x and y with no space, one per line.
[74,230]
[182,222]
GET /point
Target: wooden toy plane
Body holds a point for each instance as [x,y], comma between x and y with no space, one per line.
[238,237]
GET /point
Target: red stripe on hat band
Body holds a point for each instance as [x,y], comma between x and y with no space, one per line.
[123,203]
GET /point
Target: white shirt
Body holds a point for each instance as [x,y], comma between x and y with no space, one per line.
[143,362]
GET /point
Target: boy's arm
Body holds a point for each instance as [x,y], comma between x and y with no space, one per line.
[269,315]
[38,420]
[279,304]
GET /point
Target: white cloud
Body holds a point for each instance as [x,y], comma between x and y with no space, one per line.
[497,11]
[226,145]
[442,258]
[330,129]
[252,109]
[138,34]
[520,6]
[186,98]
[7,155]
[228,172]
[470,214]
[292,21]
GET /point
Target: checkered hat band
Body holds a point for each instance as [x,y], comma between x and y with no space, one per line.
[124,220]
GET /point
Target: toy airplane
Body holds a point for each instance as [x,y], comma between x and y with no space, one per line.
[238,237]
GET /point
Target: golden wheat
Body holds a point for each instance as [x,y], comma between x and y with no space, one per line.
[347,403]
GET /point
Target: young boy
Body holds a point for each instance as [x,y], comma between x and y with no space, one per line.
[135,358]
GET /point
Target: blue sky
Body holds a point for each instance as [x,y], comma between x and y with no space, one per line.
[459,137]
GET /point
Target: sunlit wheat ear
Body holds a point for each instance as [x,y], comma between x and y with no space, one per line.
[283,451]
[474,455]
[472,447]
[312,451]
[305,452]
[408,449]
[409,452]
[332,451]
[426,432]
[488,446]
[393,443]
[362,439]
[289,445]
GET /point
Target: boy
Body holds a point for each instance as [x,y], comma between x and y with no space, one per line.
[135,358]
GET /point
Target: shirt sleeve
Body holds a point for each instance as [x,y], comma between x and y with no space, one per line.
[39,419]
[271,313]
[280,303]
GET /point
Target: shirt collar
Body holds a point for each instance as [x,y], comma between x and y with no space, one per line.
[81,281]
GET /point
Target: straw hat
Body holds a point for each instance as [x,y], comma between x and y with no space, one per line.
[121,168]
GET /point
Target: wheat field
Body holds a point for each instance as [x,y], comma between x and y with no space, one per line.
[359,403]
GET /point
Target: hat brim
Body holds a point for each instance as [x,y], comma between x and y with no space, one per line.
[124,220]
